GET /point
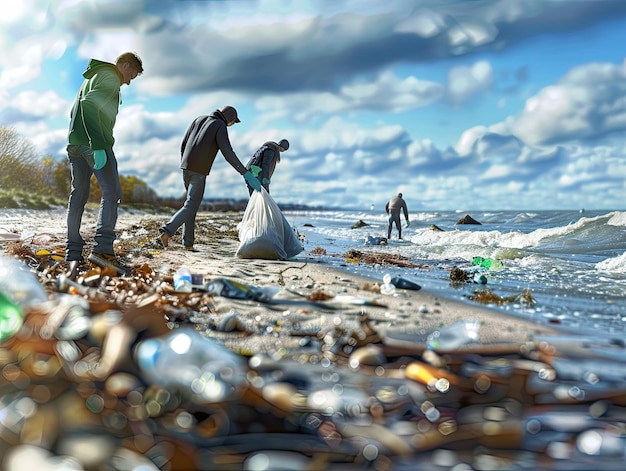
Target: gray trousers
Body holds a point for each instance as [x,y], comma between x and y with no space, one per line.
[394,218]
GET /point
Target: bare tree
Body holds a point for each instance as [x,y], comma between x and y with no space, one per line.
[20,166]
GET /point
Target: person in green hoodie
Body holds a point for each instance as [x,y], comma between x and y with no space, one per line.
[90,151]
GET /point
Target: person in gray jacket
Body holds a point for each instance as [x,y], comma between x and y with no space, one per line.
[205,136]
[393,207]
[263,162]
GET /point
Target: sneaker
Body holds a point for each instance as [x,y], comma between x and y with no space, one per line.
[109,260]
[190,248]
[163,239]
[75,267]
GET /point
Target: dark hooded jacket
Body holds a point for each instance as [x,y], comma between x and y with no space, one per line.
[266,157]
[95,107]
[205,136]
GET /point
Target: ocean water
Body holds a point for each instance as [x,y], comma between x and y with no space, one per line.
[573,263]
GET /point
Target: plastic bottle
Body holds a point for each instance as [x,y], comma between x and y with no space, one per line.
[19,289]
[492,264]
[454,335]
[477,260]
[186,362]
[19,284]
[10,318]
[182,280]
[387,287]
[480,278]
[403,283]
[488,263]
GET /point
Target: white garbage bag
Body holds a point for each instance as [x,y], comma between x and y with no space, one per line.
[264,232]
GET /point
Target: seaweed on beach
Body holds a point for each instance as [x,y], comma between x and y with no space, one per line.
[488,297]
[373,258]
[18,249]
[318,296]
[457,275]
[208,230]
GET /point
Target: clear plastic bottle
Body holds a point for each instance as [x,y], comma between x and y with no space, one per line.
[186,362]
[387,287]
[19,289]
[182,280]
[19,284]
[454,335]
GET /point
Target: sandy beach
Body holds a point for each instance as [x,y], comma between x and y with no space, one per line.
[327,372]
[405,313]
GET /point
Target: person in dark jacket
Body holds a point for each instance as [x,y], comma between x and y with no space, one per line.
[263,162]
[90,151]
[205,136]
[393,207]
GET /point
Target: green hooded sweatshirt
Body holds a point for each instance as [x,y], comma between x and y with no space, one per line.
[95,107]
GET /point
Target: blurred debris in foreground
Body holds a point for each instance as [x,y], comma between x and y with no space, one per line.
[100,372]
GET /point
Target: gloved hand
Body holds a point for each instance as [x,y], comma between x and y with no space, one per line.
[266,181]
[252,180]
[100,159]
[255,170]
[408,223]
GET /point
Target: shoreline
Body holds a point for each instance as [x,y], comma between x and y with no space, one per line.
[407,313]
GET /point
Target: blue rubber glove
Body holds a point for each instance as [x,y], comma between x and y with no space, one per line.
[408,223]
[255,170]
[252,180]
[100,159]
[266,181]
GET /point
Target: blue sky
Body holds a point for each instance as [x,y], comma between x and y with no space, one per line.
[458,104]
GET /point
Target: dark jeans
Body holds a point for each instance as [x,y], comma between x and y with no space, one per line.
[109,181]
[186,216]
[394,218]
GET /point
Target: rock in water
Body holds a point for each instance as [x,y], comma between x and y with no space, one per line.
[467,219]
[359,224]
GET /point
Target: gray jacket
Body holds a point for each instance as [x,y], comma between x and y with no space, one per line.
[395,205]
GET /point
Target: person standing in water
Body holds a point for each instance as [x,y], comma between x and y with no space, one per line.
[393,207]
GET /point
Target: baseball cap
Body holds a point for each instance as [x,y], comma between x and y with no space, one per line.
[284,143]
[230,114]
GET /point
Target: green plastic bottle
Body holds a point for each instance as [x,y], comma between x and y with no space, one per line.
[19,290]
[492,264]
[477,260]
[11,318]
[488,263]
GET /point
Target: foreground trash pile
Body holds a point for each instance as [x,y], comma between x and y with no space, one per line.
[100,372]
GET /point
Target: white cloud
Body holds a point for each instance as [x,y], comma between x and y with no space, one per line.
[589,101]
[463,81]
[344,85]
[33,103]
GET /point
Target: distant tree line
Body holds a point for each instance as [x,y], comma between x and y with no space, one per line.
[27,179]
